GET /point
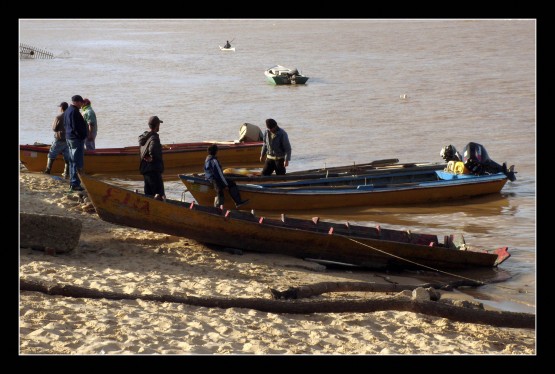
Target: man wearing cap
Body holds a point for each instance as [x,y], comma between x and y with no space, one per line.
[151,163]
[59,145]
[76,133]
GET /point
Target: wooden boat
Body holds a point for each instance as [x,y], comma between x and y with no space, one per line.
[370,247]
[280,75]
[232,49]
[126,159]
[366,190]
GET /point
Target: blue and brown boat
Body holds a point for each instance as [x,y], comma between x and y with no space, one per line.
[415,185]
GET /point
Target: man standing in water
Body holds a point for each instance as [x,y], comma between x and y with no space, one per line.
[76,133]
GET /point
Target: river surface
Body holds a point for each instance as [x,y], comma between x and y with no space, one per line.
[378,89]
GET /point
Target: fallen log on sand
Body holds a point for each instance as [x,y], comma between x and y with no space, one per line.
[397,303]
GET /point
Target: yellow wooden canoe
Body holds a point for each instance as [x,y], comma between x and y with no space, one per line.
[126,159]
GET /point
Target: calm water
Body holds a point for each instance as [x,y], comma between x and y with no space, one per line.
[465,80]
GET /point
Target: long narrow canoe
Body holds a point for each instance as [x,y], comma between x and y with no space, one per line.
[365,190]
[126,159]
[370,247]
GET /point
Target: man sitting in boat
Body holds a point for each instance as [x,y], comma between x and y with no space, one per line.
[227,45]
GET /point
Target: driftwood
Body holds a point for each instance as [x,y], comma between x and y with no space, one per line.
[454,313]
[325,287]
[51,233]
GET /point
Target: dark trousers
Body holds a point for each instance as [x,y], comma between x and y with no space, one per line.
[154,184]
[76,160]
[277,165]
[219,188]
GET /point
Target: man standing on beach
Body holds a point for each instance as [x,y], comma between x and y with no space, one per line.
[59,145]
[276,148]
[76,133]
[90,118]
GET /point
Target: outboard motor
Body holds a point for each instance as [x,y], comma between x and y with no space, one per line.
[476,159]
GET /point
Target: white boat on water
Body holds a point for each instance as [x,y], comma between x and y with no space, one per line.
[232,49]
[279,75]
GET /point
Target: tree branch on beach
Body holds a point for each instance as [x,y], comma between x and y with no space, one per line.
[432,308]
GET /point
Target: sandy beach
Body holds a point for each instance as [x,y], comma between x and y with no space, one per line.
[120,259]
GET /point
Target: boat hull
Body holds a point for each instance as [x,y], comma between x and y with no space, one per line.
[112,160]
[282,80]
[305,239]
[292,199]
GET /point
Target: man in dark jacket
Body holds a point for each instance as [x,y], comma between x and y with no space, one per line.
[276,149]
[213,173]
[151,164]
[76,133]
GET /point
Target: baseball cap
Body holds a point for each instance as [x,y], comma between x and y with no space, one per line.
[154,120]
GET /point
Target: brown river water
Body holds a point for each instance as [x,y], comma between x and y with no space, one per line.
[378,89]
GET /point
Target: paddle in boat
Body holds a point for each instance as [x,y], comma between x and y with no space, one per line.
[246,175]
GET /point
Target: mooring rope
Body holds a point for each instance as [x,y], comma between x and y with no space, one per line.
[429,267]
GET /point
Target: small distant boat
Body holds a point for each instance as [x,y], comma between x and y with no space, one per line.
[232,49]
[280,75]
